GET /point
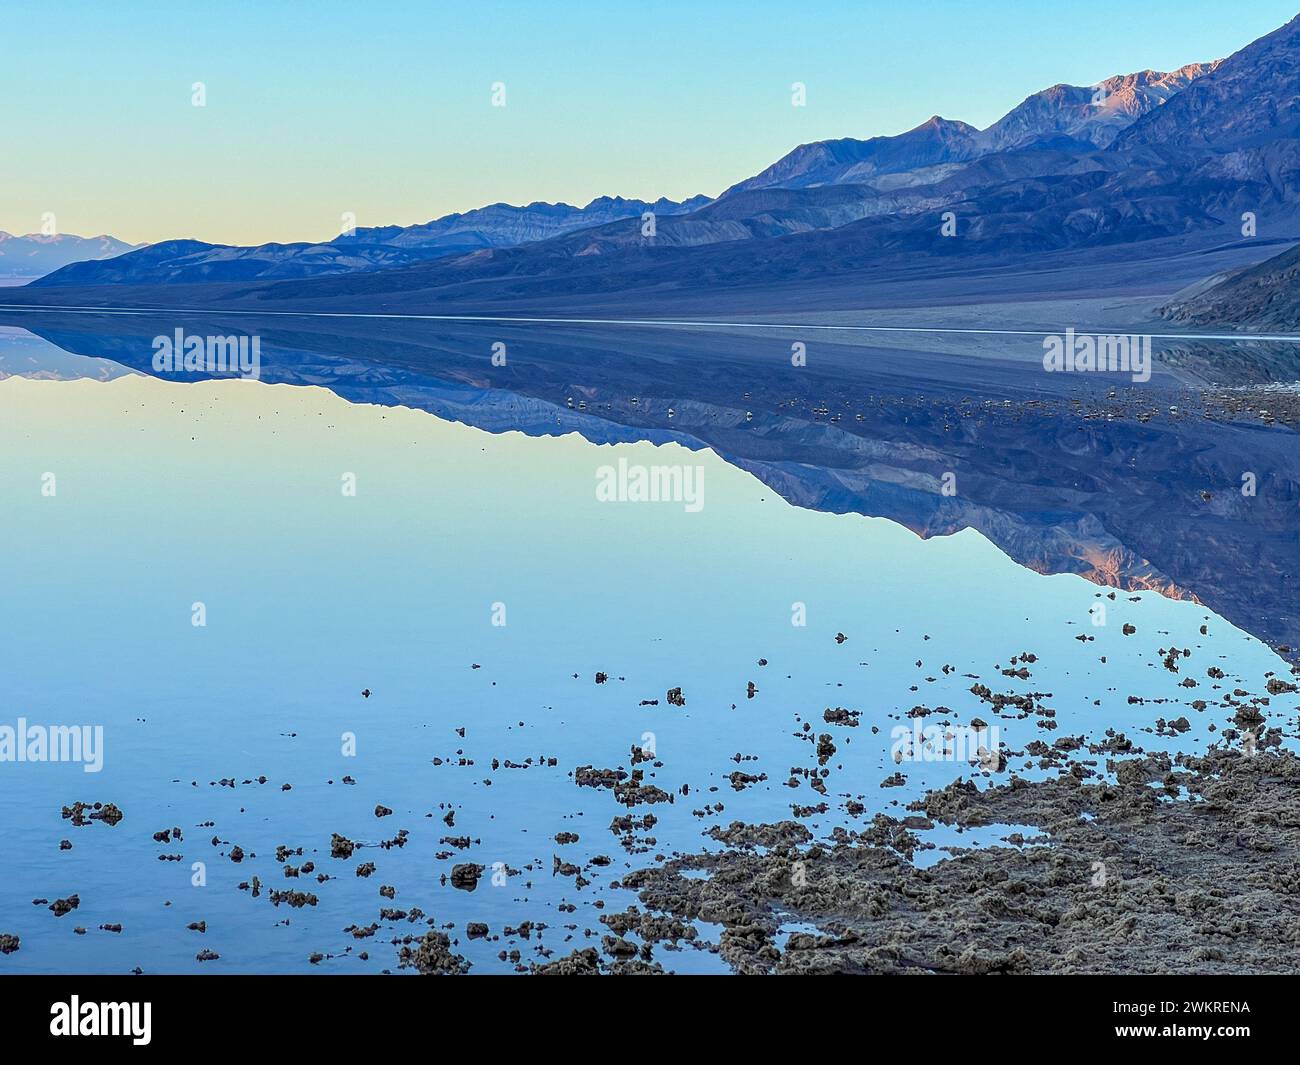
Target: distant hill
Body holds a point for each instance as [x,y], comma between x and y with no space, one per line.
[503,226]
[373,248]
[35,255]
[1260,298]
[194,261]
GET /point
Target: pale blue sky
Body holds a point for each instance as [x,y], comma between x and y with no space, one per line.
[383,109]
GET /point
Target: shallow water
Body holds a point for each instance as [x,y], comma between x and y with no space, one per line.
[230,494]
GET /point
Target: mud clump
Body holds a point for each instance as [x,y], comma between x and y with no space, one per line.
[652,928]
[466,876]
[586,776]
[62,907]
[82,813]
[580,963]
[1118,882]
[636,791]
[432,956]
[296,899]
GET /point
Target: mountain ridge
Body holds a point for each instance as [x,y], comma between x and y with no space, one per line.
[1074,168]
[187,261]
[35,254]
[885,168]
[1085,115]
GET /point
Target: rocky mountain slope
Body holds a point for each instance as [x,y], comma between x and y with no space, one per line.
[1261,298]
[1245,102]
[1071,116]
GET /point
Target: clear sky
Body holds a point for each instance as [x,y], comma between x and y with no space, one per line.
[384,108]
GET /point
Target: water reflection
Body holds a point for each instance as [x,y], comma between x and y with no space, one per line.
[511,629]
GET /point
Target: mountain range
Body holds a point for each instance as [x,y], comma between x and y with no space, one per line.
[1062,117]
[1152,156]
[499,225]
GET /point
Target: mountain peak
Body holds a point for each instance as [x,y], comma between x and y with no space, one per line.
[1086,116]
[945,125]
[1090,114]
[1239,102]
